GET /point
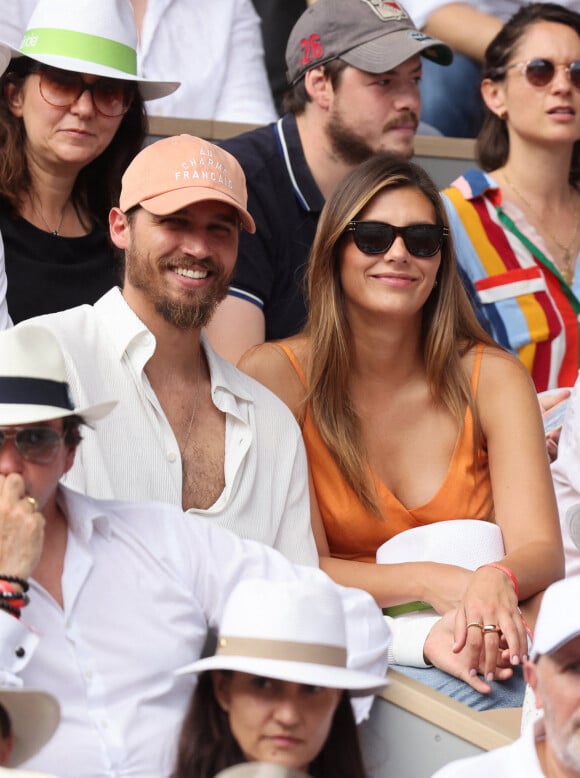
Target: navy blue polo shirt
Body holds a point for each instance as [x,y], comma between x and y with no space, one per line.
[285,202]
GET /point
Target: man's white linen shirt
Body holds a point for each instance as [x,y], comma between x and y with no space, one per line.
[141,584]
[518,760]
[132,454]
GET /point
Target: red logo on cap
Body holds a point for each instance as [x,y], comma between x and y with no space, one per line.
[311,49]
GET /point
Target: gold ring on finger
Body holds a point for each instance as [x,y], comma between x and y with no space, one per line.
[489,628]
[32,502]
[477,624]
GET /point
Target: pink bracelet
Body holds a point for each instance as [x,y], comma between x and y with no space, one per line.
[510,574]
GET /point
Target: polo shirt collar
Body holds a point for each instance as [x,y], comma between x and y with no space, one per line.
[290,147]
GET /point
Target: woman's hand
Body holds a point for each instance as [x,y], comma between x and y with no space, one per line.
[438,650]
[490,601]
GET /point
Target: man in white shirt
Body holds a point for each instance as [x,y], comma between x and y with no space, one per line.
[190,429]
[550,746]
[114,596]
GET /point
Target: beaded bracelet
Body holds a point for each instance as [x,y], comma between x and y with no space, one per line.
[9,609]
[16,598]
[15,579]
[510,574]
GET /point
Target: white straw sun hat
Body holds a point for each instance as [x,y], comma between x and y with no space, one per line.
[86,36]
[34,717]
[33,381]
[288,630]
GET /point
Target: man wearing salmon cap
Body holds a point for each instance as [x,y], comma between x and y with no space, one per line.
[190,429]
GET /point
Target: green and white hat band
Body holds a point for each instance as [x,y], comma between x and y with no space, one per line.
[85,36]
[80,46]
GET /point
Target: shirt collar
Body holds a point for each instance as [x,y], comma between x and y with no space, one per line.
[125,329]
[475,183]
[290,147]
[230,389]
[128,334]
[84,515]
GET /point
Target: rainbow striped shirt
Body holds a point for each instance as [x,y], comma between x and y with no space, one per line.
[527,303]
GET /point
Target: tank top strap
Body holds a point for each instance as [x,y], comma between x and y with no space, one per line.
[476,367]
[293,361]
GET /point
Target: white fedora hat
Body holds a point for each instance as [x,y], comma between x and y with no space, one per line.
[288,630]
[34,717]
[260,770]
[86,36]
[33,381]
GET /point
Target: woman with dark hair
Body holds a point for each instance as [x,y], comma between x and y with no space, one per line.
[516,226]
[277,689]
[412,415]
[71,119]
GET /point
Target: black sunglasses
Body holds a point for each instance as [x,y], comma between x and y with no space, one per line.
[35,444]
[421,240]
[61,88]
[540,71]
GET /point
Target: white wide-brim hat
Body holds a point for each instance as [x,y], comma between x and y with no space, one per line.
[33,380]
[34,717]
[86,36]
[287,630]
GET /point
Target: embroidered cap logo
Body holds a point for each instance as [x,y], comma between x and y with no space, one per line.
[387,11]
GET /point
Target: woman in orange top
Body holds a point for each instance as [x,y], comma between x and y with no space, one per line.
[412,415]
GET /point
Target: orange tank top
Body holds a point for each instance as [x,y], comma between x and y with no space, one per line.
[355,533]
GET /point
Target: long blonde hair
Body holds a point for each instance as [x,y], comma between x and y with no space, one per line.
[449,325]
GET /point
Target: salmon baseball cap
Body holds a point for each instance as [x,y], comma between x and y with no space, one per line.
[175,172]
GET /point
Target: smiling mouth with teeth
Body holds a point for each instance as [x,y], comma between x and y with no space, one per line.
[190,273]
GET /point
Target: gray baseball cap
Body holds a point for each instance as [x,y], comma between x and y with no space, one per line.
[371,35]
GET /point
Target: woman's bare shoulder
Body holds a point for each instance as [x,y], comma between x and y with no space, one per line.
[271,365]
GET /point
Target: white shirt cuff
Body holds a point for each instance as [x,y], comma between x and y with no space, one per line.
[409,634]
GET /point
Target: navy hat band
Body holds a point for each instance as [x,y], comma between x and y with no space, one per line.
[34,391]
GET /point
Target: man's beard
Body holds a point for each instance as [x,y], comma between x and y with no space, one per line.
[564,741]
[351,147]
[192,313]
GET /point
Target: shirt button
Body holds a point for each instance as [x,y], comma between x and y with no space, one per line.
[171,456]
[20,652]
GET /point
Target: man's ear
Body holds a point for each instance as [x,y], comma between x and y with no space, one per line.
[319,87]
[119,228]
[531,677]
[221,688]
[71,453]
